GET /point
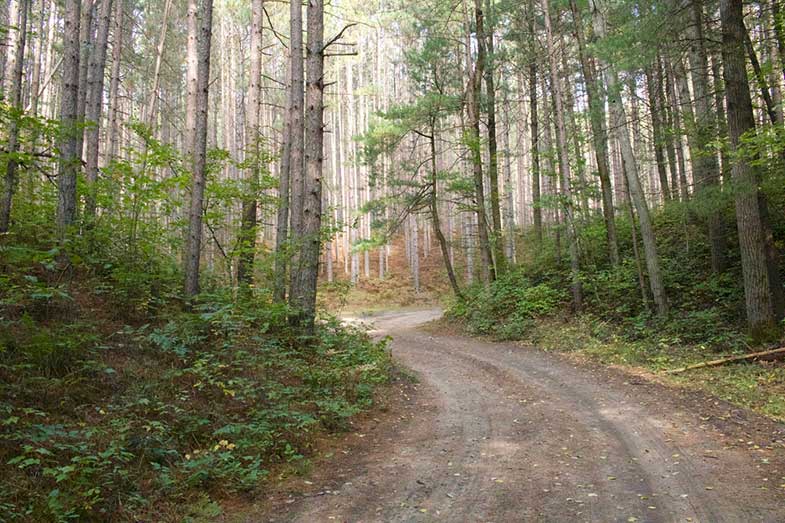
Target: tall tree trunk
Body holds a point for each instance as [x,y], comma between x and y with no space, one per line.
[485,46]
[534,129]
[473,105]
[722,120]
[49,67]
[618,122]
[573,128]
[16,40]
[304,295]
[414,252]
[86,43]
[296,148]
[667,135]
[779,32]
[760,79]
[653,89]
[198,76]
[751,227]
[434,208]
[564,161]
[509,206]
[253,130]
[680,173]
[38,59]
[114,83]
[69,160]
[596,98]
[94,107]
[705,167]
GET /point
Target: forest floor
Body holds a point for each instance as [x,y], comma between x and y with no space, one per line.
[499,432]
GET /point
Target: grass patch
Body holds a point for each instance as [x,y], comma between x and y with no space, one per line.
[759,386]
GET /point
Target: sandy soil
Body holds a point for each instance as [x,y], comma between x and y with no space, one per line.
[495,432]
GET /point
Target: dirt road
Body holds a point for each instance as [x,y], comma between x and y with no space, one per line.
[496,433]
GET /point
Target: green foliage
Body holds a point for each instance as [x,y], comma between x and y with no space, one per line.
[708,309]
[106,419]
[506,308]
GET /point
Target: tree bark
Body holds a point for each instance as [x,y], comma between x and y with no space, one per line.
[198,76]
[296,149]
[619,124]
[304,294]
[434,208]
[85,42]
[705,166]
[534,128]
[94,107]
[485,46]
[69,159]
[752,242]
[473,106]
[564,161]
[16,40]
[596,98]
[114,83]
[253,130]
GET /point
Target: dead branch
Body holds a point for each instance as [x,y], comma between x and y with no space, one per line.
[731,359]
[338,36]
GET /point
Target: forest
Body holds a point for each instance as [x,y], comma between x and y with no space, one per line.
[194,194]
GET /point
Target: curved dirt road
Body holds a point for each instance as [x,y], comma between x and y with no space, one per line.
[498,433]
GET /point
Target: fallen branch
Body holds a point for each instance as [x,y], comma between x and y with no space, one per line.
[731,359]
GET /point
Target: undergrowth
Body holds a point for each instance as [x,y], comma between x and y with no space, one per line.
[532,302]
[116,405]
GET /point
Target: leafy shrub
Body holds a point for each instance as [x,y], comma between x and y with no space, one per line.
[505,308]
[118,425]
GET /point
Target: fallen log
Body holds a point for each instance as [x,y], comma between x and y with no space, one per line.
[731,359]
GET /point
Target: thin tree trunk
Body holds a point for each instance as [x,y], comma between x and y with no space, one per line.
[509,207]
[779,32]
[681,171]
[485,46]
[114,83]
[49,67]
[596,97]
[705,167]
[434,208]
[760,79]
[296,150]
[619,124]
[564,161]
[69,160]
[199,40]
[535,133]
[722,120]
[653,90]
[253,130]
[16,40]
[636,251]
[86,42]
[473,104]
[94,107]
[414,250]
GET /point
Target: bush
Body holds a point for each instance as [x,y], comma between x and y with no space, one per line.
[707,309]
[121,425]
[505,308]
